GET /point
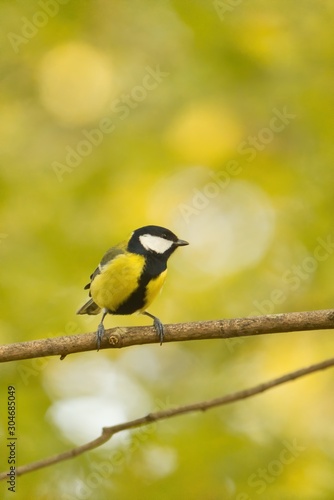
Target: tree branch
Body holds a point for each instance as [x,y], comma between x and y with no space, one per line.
[201,330]
[108,432]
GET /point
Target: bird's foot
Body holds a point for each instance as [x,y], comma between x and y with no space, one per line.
[99,336]
[159,328]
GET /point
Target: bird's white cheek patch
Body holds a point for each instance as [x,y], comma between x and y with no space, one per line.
[155,243]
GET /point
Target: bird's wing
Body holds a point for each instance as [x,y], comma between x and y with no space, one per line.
[108,257]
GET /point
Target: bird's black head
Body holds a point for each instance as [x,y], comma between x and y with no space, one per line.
[154,240]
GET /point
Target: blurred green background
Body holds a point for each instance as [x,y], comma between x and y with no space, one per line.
[214,119]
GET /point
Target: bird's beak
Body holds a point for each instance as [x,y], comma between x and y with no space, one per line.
[181,243]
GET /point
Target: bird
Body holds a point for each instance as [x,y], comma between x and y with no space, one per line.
[130,276]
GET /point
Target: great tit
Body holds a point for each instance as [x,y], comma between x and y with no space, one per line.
[130,275]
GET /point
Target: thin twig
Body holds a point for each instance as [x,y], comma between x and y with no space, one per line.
[201,330]
[108,432]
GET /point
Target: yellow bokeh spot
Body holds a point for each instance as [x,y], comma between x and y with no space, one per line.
[272,42]
[75,83]
[204,133]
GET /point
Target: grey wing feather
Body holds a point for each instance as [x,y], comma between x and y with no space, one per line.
[89,308]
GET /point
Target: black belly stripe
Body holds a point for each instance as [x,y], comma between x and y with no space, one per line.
[136,301]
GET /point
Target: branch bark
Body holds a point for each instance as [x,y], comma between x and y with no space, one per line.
[108,432]
[202,330]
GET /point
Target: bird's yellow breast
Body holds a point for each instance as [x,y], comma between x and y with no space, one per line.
[117,281]
[153,288]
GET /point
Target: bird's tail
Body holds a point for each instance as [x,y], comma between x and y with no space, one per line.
[89,308]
